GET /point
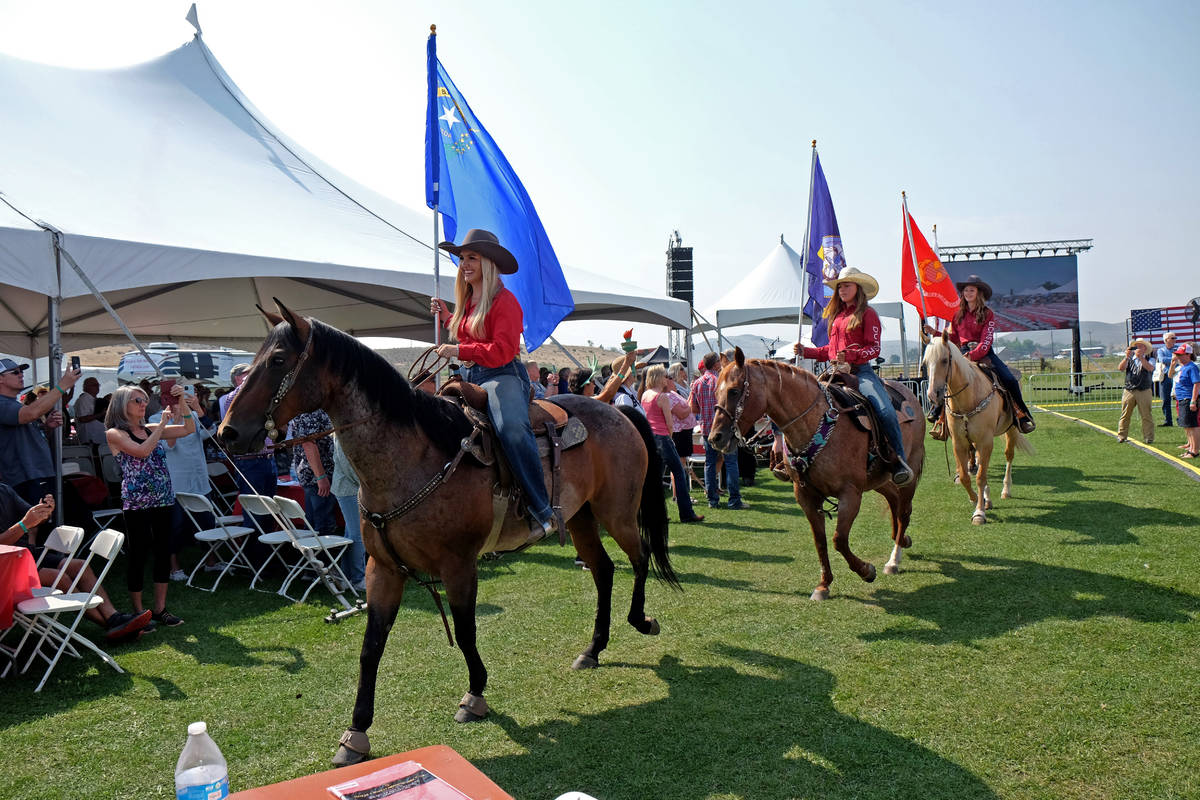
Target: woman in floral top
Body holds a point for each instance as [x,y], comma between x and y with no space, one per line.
[146,493]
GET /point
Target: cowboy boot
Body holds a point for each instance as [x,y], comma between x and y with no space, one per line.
[902,473]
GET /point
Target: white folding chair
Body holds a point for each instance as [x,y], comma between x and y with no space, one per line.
[225,539]
[279,542]
[223,485]
[44,612]
[64,540]
[318,554]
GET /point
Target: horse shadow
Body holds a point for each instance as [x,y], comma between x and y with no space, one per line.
[1116,520]
[990,597]
[1062,480]
[783,738]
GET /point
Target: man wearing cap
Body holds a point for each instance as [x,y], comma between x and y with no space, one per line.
[1187,391]
[1166,356]
[25,460]
[1138,373]
[258,468]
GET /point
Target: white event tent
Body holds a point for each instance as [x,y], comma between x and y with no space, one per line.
[183,207]
[772,292]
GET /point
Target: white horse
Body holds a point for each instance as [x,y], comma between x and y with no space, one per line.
[975,416]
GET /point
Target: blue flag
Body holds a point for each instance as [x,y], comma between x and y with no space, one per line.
[825,256]
[470,182]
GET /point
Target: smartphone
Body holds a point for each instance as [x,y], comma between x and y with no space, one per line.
[75,363]
[189,390]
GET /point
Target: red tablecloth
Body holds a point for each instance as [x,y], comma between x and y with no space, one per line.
[18,579]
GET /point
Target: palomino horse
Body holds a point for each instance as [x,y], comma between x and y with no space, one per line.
[800,406]
[429,517]
[975,415]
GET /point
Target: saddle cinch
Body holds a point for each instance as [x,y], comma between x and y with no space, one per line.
[554,431]
[843,387]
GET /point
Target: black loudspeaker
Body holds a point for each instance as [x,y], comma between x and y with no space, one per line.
[679,273]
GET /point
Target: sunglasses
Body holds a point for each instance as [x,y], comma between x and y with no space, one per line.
[141,401]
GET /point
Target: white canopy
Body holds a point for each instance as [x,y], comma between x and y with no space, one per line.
[773,292]
[184,206]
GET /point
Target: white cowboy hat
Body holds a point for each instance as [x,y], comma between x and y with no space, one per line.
[856,275]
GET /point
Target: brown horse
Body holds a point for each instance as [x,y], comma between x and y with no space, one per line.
[975,415]
[798,404]
[422,516]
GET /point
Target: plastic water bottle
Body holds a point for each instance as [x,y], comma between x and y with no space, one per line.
[200,773]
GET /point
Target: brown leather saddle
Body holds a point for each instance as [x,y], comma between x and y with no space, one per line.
[554,429]
[843,388]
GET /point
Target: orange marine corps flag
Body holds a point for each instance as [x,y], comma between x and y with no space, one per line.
[935,295]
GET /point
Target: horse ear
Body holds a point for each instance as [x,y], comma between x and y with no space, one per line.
[299,323]
[739,357]
[272,318]
[946,335]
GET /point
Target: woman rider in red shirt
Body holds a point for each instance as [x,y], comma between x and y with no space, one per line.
[854,332]
[487,324]
[972,330]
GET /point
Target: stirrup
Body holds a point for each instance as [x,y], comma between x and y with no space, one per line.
[902,473]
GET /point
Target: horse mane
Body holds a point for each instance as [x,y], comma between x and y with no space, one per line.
[398,401]
[976,378]
[781,367]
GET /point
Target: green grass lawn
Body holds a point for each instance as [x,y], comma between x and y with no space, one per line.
[1049,654]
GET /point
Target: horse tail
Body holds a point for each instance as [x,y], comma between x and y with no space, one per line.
[652,513]
[1024,445]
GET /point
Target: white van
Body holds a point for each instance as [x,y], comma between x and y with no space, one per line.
[210,366]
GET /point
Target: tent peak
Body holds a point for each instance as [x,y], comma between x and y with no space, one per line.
[194,17]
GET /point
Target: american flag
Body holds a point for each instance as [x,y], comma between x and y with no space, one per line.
[1152,323]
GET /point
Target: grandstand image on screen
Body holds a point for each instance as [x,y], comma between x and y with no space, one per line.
[1028,294]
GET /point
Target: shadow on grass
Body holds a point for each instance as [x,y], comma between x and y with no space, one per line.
[1063,479]
[1100,521]
[989,597]
[768,730]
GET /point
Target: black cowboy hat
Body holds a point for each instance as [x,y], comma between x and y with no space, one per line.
[977,282]
[486,244]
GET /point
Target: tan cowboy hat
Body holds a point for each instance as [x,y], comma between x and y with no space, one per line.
[1143,343]
[486,244]
[979,283]
[855,275]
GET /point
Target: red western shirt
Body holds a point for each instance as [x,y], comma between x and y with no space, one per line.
[968,329]
[501,340]
[861,344]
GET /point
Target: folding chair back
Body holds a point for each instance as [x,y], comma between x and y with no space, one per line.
[223,484]
[110,470]
[259,505]
[45,611]
[63,540]
[294,511]
[223,540]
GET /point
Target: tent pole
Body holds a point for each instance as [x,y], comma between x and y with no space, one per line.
[812,177]
[568,352]
[53,369]
[698,318]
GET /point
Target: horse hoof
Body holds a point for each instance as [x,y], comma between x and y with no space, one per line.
[891,569]
[978,519]
[585,662]
[471,708]
[870,576]
[353,747]
[1005,495]
[653,628]
[906,541]
[988,505]
[819,594]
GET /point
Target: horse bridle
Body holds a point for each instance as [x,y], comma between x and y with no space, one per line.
[737,411]
[286,384]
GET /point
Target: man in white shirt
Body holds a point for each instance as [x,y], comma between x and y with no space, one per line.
[89,427]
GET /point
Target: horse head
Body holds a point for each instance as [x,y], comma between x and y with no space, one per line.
[739,405]
[277,387]
[939,356]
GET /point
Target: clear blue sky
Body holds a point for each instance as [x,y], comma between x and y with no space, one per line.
[1013,122]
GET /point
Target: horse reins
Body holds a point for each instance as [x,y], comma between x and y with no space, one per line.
[286,384]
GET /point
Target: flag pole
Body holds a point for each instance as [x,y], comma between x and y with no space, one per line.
[436,173]
[812,177]
[912,249]
[937,252]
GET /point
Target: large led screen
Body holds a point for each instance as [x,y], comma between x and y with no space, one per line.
[1028,294]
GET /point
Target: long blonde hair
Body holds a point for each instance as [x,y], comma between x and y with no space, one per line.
[860,308]
[115,416]
[463,295]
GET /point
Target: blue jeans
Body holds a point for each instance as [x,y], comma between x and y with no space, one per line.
[354,563]
[319,510]
[872,388]
[1007,379]
[507,389]
[670,457]
[733,481]
[1166,392]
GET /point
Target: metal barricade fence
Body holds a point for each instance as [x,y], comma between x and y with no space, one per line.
[1081,390]
[918,387]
